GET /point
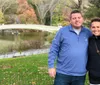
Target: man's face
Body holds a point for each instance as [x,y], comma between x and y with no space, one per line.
[76,20]
[95,28]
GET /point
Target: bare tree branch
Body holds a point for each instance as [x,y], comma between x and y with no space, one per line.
[6,4]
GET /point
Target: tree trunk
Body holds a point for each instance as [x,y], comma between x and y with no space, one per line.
[48,18]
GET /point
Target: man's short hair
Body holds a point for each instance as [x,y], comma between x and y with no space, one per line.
[75,11]
[94,20]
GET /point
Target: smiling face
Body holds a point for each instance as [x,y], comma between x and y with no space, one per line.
[76,20]
[95,28]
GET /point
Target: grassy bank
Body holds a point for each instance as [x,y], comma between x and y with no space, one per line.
[25,71]
[30,70]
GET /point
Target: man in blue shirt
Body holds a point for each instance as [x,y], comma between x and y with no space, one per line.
[69,50]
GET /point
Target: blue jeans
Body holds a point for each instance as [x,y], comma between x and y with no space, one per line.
[62,79]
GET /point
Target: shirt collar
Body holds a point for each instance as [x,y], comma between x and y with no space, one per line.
[71,28]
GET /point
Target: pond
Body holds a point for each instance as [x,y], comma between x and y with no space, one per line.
[21,40]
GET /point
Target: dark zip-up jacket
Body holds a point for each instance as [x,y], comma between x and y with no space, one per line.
[93,64]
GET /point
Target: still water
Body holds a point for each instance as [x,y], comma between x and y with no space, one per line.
[21,40]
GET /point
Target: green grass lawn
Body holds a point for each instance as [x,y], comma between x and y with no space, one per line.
[30,70]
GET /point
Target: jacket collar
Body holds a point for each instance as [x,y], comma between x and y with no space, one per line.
[71,28]
[96,37]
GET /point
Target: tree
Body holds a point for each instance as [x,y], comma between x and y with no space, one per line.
[95,2]
[63,9]
[25,13]
[8,8]
[1,18]
[5,5]
[93,10]
[74,4]
[44,7]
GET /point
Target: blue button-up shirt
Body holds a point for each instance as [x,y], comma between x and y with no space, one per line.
[70,50]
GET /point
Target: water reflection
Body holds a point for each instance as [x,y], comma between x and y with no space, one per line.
[19,40]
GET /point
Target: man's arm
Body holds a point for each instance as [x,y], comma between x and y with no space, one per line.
[54,51]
